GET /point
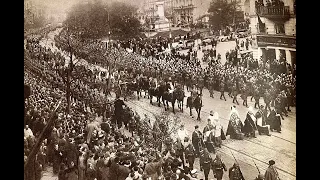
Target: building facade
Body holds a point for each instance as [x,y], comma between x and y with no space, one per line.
[33,12]
[273,28]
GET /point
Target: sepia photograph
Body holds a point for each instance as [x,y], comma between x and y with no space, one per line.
[160,90]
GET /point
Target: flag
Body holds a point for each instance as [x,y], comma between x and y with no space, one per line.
[261,24]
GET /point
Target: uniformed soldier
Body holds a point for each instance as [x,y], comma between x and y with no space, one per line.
[197,140]
[222,87]
[190,155]
[218,167]
[235,173]
[210,85]
[256,97]
[244,95]
[205,163]
[200,84]
[234,93]
[267,99]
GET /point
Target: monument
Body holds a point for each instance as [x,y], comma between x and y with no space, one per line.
[161,24]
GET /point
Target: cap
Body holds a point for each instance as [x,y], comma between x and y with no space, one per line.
[272,162]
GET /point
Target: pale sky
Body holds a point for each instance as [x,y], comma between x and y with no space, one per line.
[64,5]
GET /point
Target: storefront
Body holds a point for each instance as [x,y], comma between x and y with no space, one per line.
[280,47]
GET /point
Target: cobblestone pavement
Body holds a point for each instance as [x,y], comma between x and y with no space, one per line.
[280,147]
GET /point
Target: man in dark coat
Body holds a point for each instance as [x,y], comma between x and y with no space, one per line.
[190,155]
[274,121]
[118,111]
[222,87]
[235,173]
[271,172]
[249,127]
[197,140]
[262,127]
[218,167]
[205,163]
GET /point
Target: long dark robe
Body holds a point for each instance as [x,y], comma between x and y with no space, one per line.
[271,174]
[249,125]
[234,128]
[274,121]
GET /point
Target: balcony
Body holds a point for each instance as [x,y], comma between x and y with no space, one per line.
[279,12]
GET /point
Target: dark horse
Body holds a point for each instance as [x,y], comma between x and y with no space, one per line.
[133,86]
[157,92]
[143,85]
[195,102]
[177,95]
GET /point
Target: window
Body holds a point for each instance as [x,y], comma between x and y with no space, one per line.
[279,28]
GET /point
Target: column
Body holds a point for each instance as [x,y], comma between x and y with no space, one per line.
[260,53]
[264,59]
[288,57]
[277,54]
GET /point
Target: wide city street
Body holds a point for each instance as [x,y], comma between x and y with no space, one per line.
[280,147]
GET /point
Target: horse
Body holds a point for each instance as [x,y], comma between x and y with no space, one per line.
[143,85]
[132,87]
[195,102]
[178,94]
[166,98]
[154,92]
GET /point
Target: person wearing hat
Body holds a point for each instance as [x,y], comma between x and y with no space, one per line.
[249,127]
[222,85]
[271,173]
[262,126]
[274,120]
[205,163]
[190,154]
[256,96]
[218,167]
[197,140]
[235,172]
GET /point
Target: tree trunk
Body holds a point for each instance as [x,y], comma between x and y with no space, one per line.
[68,92]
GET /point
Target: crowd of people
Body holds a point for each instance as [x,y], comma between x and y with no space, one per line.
[89,142]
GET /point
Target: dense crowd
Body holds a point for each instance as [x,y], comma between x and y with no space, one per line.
[89,142]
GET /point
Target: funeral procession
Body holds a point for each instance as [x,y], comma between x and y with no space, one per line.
[160,90]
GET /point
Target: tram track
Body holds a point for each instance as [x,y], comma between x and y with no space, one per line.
[232,149]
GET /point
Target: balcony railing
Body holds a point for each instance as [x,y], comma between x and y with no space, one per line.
[274,12]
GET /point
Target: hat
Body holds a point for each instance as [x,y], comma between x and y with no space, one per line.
[196,126]
[211,113]
[272,162]
[194,171]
